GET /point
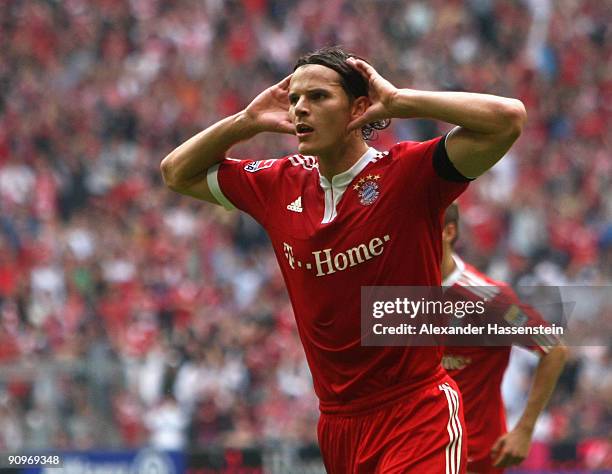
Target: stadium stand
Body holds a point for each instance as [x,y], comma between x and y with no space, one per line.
[131,316]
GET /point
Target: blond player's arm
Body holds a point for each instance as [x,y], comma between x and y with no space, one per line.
[513,447]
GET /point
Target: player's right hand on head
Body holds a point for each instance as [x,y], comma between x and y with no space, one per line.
[269,111]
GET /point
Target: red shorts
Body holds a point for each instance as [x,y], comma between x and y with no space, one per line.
[421,433]
[483,466]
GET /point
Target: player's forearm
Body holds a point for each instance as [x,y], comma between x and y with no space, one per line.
[544,382]
[200,152]
[481,113]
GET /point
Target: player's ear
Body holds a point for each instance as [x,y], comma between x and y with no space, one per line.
[449,233]
[359,106]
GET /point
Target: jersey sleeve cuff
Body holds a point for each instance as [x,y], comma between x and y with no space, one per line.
[444,167]
[212,178]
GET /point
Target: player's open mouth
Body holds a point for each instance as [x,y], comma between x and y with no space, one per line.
[303,130]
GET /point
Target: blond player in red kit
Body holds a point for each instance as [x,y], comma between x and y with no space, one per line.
[340,215]
[479,370]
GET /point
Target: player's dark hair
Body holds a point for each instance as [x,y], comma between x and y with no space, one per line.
[352,81]
[451,216]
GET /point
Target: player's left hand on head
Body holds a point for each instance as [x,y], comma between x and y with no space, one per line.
[511,449]
[381,94]
[269,111]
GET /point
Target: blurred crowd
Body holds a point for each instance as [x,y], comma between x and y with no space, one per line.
[130,315]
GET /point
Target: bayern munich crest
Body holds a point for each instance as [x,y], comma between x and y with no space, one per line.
[367,189]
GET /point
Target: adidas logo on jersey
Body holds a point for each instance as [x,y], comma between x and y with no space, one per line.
[296,206]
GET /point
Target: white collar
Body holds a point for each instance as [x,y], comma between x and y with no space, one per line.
[451,279]
[343,179]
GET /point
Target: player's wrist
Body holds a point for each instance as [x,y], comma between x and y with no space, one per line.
[525,428]
[247,124]
[401,103]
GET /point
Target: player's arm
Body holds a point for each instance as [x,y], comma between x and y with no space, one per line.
[487,125]
[513,447]
[184,169]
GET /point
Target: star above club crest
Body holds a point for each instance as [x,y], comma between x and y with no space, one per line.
[361,181]
[369,176]
[356,187]
[377,176]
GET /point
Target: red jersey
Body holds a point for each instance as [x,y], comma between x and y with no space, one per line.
[378,223]
[479,371]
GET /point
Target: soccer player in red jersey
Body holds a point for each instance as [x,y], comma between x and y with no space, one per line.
[340,215]
[479,370]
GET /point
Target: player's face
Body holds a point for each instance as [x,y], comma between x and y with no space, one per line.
[319,108]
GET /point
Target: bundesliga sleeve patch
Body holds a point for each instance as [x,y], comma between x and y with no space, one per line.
[515,316]
[259,165]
